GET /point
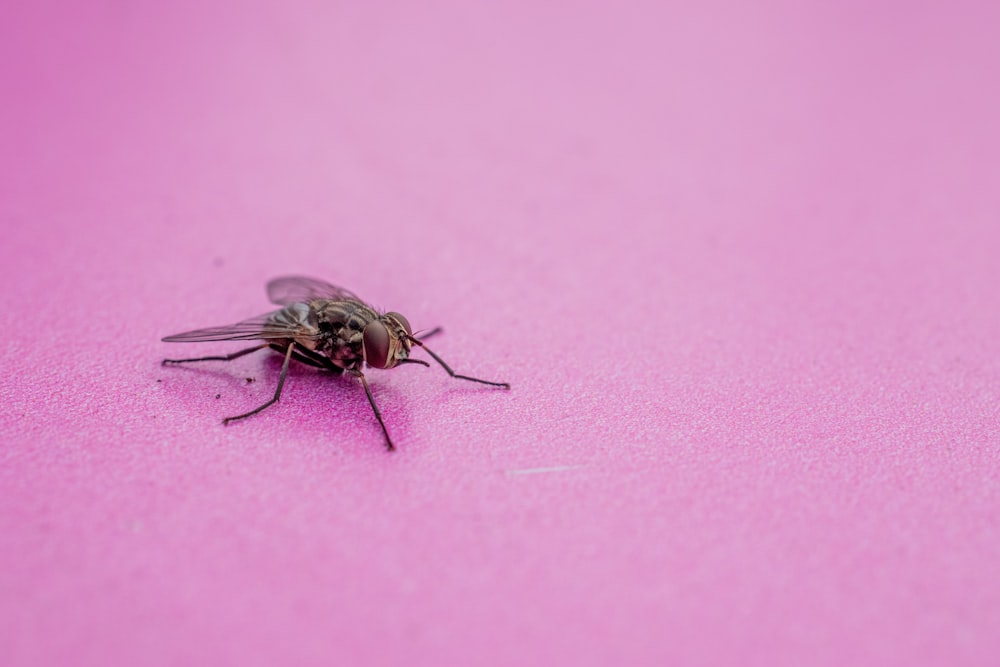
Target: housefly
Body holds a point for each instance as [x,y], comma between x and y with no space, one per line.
[327,327]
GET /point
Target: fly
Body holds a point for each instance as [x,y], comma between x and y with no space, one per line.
[327,327]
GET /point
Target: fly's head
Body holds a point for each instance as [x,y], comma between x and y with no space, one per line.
[387,340]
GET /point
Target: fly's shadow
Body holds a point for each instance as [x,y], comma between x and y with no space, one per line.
[307,391]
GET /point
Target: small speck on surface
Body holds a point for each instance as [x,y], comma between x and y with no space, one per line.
[536,471]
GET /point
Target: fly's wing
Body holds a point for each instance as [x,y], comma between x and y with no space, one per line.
[289,322]
[287,290]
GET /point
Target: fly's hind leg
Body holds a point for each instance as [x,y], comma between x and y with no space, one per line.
[277,392]
[228,357]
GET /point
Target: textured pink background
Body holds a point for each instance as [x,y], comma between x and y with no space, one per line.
[739,262]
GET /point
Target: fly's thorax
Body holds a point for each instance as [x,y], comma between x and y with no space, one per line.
[386,340]
[335,315]
[340,325]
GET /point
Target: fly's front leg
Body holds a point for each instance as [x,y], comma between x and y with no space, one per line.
[228,357]
[277,392]
[378,413]
[452,373]
[424,335]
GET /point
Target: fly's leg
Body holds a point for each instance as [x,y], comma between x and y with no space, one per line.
[421,362]
[427,334]
[455,375]
[228,357]
[277,392]
[378,413]
[310,358]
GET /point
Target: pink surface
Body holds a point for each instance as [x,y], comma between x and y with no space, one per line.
[740,265]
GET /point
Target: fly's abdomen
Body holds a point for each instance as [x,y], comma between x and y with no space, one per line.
[297,318]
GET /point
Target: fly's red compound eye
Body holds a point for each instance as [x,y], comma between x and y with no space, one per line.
[376,342]
[402,320]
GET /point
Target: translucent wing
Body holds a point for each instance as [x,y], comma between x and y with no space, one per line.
[287,290]
[291,322]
